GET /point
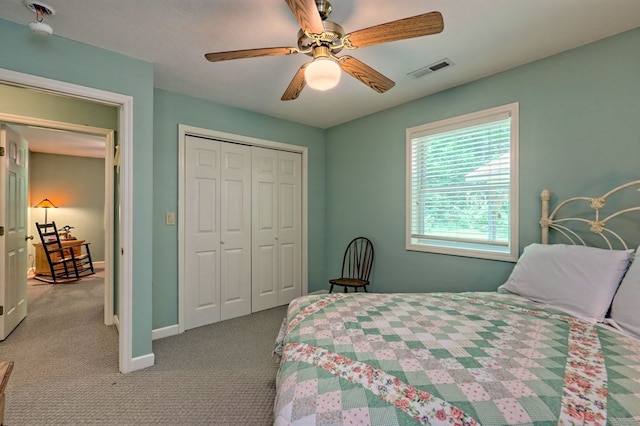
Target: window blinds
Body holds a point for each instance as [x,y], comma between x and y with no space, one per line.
[460,182]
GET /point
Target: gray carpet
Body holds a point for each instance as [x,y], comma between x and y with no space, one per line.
[66,367]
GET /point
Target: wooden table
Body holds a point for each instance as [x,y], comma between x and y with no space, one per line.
[42,264]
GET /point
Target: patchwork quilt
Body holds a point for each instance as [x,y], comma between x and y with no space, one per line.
[450,359]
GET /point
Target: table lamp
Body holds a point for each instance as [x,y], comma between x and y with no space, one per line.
[45,204]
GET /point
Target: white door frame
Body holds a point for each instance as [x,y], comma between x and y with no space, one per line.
[183,131]
[125,104]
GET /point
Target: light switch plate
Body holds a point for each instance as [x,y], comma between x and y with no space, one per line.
[170,218]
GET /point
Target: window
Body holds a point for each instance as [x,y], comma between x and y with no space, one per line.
[462,185]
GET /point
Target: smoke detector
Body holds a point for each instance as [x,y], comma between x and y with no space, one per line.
[41,10]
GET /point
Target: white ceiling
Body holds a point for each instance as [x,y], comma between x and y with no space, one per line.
[481,37]
[62,142]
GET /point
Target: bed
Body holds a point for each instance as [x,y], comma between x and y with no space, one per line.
[557,343]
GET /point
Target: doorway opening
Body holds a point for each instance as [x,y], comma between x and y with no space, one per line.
[67,143]
[122,274]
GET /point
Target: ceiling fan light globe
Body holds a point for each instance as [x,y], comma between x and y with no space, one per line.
[322,74]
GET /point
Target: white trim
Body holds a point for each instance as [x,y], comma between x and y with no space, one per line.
[183,131]
[125,295]
[108,228]
[476,250]
[126,361]
[144,361]
[161,333]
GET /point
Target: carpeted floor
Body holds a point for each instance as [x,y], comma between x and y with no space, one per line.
[66,367]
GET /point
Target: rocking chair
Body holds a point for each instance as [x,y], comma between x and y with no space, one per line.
[66,264]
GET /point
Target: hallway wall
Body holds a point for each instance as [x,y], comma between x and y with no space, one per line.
[76,186]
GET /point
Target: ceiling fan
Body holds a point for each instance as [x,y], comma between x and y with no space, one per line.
[322,39]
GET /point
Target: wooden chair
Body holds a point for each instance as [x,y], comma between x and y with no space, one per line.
[356,265]
[66,264]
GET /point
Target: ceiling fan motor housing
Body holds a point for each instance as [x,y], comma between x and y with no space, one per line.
[331,38]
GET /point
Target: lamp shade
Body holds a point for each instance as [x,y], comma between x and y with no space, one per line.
[46,204]
[322,74]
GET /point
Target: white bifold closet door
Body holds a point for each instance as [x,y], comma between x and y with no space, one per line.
[243,229]
[277,228]
[218,231]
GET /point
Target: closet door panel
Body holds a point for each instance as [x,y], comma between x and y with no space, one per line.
[243,229]
[289,226]
[207,266]
[264,280]
[233,281]
[287,254]
[265,232]
[235,225]
[202,242]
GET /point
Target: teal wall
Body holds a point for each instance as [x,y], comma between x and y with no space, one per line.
[69,61]
[171,109]
[579,134]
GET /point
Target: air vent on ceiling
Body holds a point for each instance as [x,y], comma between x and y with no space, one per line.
[436,66]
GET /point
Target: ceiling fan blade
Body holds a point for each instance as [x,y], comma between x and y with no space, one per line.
[415,26]
[295,87]
[365,74]
[306,13]
[249,53]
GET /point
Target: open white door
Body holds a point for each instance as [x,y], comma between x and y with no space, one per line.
[14,157]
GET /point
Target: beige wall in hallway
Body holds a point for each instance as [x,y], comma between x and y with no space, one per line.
[76,186]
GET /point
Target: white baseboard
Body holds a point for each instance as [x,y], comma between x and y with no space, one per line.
[163,332]
[141,362]
[173,330]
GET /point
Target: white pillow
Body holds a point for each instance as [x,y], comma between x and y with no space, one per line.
[575,279]
[626,303]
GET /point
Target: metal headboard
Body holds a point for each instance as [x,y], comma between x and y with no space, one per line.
[597,224]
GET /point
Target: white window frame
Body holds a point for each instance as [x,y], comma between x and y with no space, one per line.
[458,248]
